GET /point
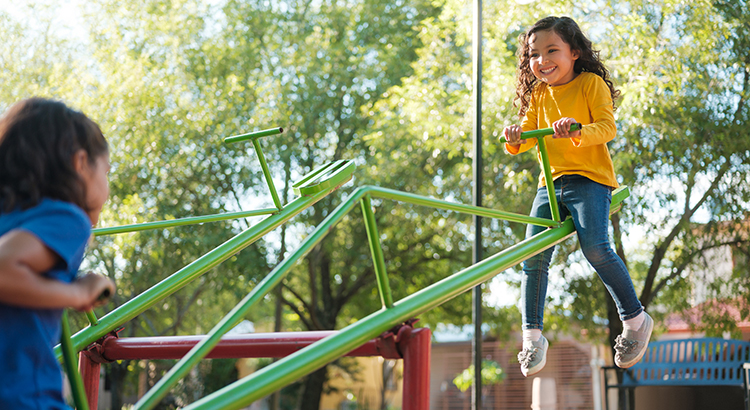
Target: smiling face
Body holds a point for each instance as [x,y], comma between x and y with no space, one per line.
[551,58]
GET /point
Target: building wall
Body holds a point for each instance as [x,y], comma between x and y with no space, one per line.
[568,362]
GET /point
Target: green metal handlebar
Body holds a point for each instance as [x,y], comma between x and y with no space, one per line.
[542,132]
[254,135]
[546,168]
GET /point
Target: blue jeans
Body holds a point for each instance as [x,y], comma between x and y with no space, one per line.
[587,203]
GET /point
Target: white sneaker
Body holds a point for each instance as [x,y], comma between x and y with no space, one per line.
[533,359]
[631,344]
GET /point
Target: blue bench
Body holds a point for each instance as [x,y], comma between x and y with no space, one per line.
[688,362]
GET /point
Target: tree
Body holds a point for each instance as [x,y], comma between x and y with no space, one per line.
[387,85]
[328,60]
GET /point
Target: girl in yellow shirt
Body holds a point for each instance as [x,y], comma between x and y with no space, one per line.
[561,81]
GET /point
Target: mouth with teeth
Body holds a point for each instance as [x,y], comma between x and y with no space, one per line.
[546,71]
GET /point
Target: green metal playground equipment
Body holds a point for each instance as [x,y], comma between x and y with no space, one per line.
[311,189]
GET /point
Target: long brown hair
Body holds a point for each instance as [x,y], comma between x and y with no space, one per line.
[38,138]
[570,33]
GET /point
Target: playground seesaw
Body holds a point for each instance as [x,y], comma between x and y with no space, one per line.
[317,354]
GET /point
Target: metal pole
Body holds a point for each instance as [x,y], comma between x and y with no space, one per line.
[377,253]
[476,397]
[415,344]
[71,366]
[250,345]
[90,374]
[406,197]
[191,220]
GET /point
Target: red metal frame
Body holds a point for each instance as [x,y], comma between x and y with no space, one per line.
[415,346]
[90,370]
[404,342]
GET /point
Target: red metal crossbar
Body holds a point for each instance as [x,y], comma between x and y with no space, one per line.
[407,343]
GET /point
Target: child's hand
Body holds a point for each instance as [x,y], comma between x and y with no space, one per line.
[94,290]
[512,134]
[562,128]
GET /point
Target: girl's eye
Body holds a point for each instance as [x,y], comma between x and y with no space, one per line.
[534,55]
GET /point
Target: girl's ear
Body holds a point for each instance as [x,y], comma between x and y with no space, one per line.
[80,161]
[575,53]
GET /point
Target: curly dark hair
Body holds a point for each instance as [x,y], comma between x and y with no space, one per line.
[571,34]
[38,138]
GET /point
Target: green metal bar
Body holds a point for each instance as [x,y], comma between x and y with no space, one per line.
[253,135]
[386,193]
[542,132]
[546,169]
[181,221]
[377,253]
[177,280]
[199,351]
[92,317]
[332,174]
[542,148]
[271,378]
[267,174]
[71,366]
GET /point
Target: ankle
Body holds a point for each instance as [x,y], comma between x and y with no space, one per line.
[531,335]
[634,323]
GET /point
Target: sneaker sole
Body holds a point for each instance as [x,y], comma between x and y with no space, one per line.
[643,351]
[538,368]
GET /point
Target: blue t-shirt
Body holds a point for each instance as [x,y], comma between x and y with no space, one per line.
[30,376]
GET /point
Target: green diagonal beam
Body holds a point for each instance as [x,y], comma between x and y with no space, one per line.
[273,279]
[376,250]
[386,193]
[198,352]
[191,220]
[177,280]
[291,368]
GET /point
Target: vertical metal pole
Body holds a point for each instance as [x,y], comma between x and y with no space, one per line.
[476,397]
[90,374]
[267,174]
[547,170]
[415,344]
[71,367]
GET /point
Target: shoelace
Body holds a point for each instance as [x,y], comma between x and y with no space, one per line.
[527,356]
[625,346]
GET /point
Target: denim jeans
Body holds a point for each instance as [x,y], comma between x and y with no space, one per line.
[587,203]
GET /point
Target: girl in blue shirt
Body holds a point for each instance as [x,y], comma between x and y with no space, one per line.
[53,183]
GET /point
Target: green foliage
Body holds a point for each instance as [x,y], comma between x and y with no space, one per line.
[389,85]
[220,373]
[492,374]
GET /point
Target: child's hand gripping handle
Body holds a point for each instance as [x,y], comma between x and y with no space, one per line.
[94,291]
[542,132]
[104,296]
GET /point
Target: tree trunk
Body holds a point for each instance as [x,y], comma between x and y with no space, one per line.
[312,389]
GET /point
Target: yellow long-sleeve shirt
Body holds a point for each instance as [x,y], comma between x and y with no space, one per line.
[587,99]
